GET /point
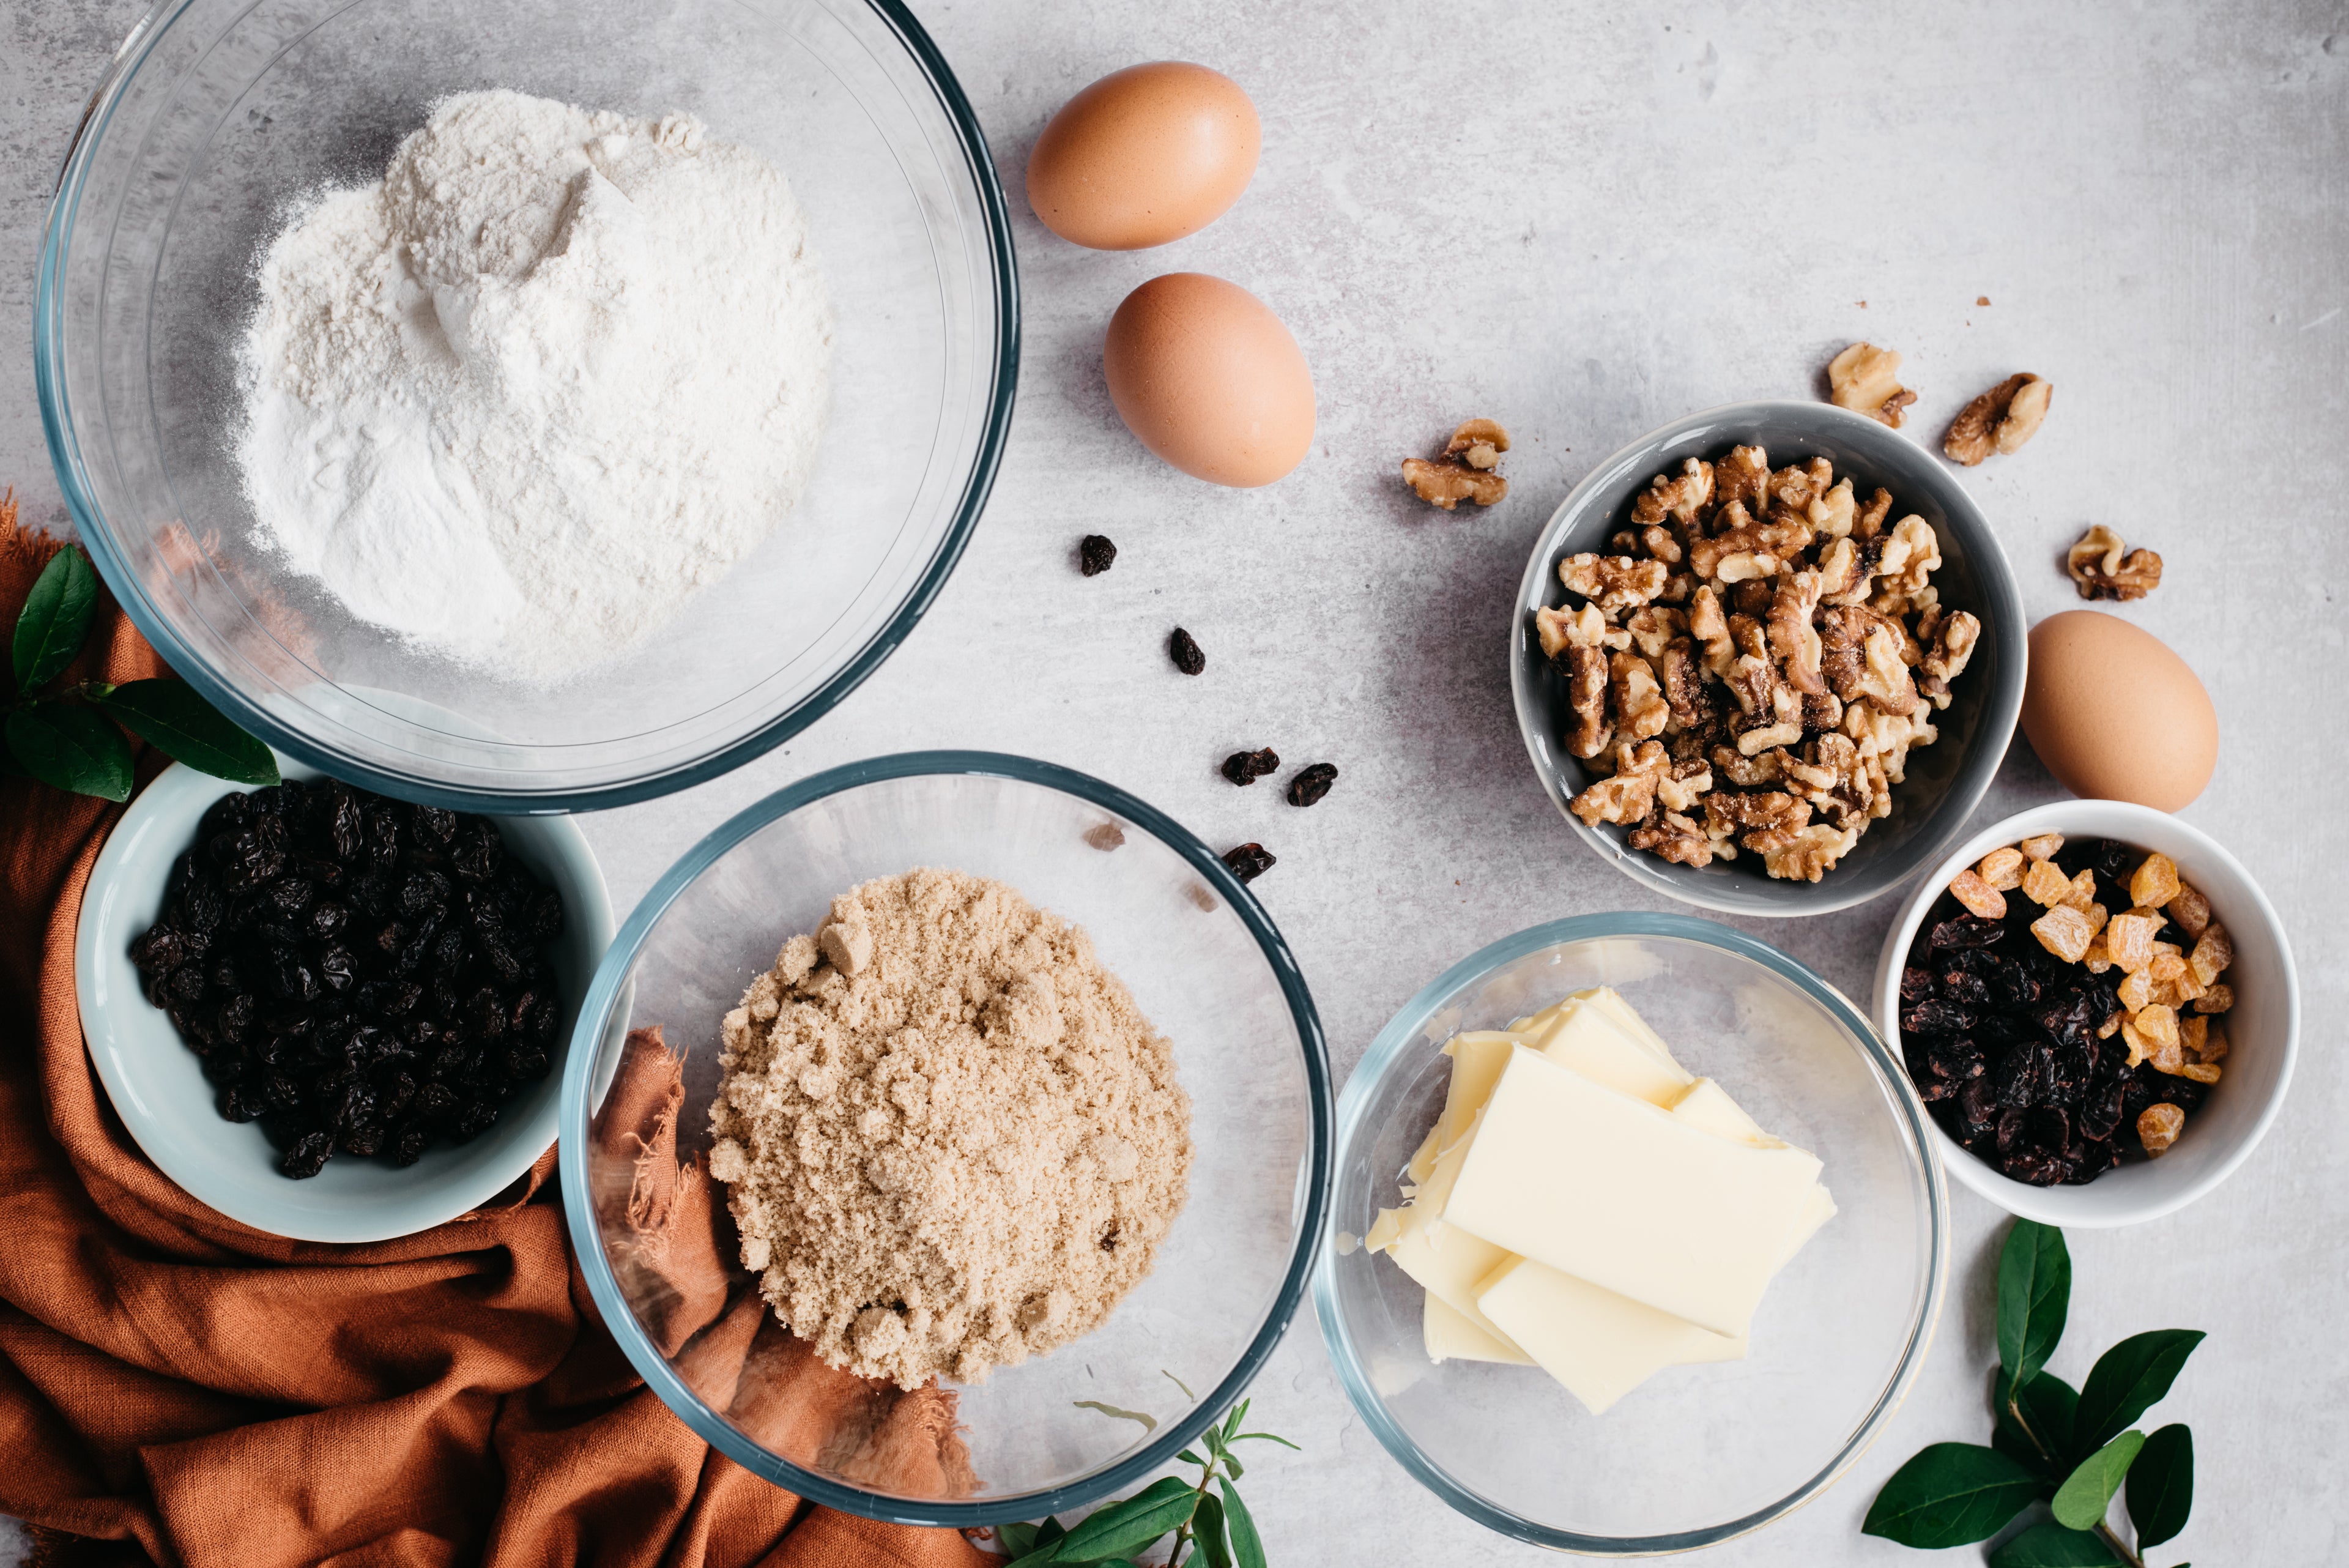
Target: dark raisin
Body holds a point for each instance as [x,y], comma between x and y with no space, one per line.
[1246,767]
[476,1119]
[1978,1108]
[1967,989]
[1916,985]
[308,1156]
[1095,554]
[1935,1016]
[435,824]
[526,1061]
[240,1103]
[409,1143]
[479,852]
[542,920]
[1184,649]
[423,891]
[327,919]
[157,951]
[1956,1059]
[1250,861]
[2020,1073]
[2100,1112]
[1967,931]
[1312,784]
[364,1139]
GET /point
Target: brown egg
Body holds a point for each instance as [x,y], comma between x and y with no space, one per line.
[1143,156]
[1206,375]
[2115,714]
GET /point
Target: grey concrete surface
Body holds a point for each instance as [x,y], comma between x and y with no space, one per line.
[1585,220]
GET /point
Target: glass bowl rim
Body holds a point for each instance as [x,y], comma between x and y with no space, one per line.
[610,981]
[1613,480]
[1406,1027]
[62,437]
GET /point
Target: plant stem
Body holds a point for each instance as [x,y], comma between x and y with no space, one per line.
[2104,1529]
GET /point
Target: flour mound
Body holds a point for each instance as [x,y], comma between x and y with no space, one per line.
[557,371]
[949,1138]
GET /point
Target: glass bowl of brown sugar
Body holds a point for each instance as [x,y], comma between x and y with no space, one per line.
[646,1180]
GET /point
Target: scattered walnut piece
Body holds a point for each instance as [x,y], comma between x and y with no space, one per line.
[2000,420]
[2157,1127]
[1866,380]
[2104,568]
[1465,471]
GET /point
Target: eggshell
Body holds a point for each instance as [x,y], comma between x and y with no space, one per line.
[2115,714]
[1206,375]
[1143,156]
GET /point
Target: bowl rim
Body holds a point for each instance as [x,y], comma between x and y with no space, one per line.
[2061,1205]
[2004,622]
[176,787]
[138,45]
[605,990]
[1407,1026]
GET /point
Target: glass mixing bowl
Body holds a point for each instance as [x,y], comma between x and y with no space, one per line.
[218,115]
[1209,970]
[1698,1454]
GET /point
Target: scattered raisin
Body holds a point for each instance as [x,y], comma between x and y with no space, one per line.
[1250,861]
[1312,784]
[1096,555]
[1246,767]
[359,973]
[1184,650]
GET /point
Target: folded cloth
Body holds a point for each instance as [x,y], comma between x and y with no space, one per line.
[177,1388]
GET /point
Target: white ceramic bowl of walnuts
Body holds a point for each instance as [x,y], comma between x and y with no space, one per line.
[2261,1025]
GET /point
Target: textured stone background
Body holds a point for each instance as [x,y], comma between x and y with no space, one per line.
[1585,220]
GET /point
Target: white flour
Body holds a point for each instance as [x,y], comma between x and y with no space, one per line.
[554,372]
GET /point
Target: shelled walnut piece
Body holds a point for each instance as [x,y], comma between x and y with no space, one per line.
[1866,380]
[1465,471]
[2000,420]
[2104,568]
[2173,995]
[1749,665]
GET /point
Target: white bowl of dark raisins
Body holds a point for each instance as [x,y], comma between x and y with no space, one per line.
[330,1015]
[2034,1109]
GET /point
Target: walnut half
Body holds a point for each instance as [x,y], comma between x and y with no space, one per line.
[2106,568]
[1465,471]
[1866,380]
[2000,420]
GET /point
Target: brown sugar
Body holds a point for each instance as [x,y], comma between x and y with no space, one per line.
[949,1138]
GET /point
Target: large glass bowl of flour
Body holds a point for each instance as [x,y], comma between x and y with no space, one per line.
[1100,1415]
[222,120]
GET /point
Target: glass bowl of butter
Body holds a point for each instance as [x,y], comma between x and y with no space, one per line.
[1640,1236]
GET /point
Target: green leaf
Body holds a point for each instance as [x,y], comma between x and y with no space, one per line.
[1018,1539]
[1189,1457]
[1207,1530]
[1248,1546]
[170,716]
[1950,1495]
[1268,1438]
[1123,1528]
[2034,1295]
[2087,1491]
[54,619]
[2048,1404]
[72,749]
[1232,1466]
[2048,1544]
[2126,1379]
[1051,1530]
[2162,1486]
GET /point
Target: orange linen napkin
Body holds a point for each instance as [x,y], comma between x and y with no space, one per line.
[176,1388]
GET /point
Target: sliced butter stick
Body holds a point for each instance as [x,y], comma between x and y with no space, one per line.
[1452,1335]
[1582,1035]
[1602,1345]
[1612,1190]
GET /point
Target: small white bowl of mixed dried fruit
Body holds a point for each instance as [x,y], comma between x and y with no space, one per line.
[2097,1005]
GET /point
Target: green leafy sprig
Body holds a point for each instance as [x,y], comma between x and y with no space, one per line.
[2075,1450]
[1208,1521]
[68,737]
